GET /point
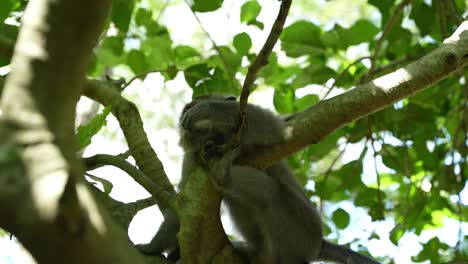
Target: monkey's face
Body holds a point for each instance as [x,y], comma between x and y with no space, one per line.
[207,122]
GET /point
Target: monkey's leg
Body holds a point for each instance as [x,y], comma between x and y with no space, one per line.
[165,239]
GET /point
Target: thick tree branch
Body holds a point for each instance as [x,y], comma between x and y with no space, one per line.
[132,126]
[315,123]
[44,194]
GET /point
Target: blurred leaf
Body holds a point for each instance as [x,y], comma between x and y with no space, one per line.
[107,185]
[351,174]
[249,13]
[302,38]
[206,5]
[186,56]
[122,13]
[159,52]
[137,62]
[283,100]
[242,43]
[196,73]
[305,102]
[340,218]
[6,6]
[143,17]
[423,15]
[431,251]
[86,132]
[362,31]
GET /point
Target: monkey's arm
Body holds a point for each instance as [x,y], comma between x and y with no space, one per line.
[330,251]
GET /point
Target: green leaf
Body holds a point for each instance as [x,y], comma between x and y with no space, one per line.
[314,74]
[186,56]
[305,102]
[86,132]
[107,185]
[6,6]
[228,56]
[351,174]
[242,43]
[159,52]
[209,87]
[423,15]
[249,13]
[196,73]
[283,100]
[341,218]
[328,144]
[362,31]
[431,251]
[122,13]
[396,234]
[206,5]
[302,38]
[137,62]
[114,44]
[143,17]
[366,197]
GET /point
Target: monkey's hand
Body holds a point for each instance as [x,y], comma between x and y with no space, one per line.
[219,158]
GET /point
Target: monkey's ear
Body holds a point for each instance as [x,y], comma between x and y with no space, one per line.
[230,98]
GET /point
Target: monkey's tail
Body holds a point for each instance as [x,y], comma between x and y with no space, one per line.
[330,251]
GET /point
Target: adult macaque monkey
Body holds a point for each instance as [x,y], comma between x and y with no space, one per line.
[268,207]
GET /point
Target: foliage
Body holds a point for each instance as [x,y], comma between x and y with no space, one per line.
[86,132]
[419,144]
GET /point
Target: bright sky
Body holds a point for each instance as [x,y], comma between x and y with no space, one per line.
[167,101]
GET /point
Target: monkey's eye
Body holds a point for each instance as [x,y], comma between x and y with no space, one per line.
[218,138]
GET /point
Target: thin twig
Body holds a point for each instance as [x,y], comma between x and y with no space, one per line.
[235,84]
[442,18]
[155,190]
[452,13]
[388,27]
[163,8]
[329,170]
[141,204]
[141,75]
[260,61]
[394,64]
[377,175]
[342,73]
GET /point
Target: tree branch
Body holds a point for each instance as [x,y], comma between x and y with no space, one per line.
[263,56]
[314,124]
[48,196]
[132,126]
[155,190]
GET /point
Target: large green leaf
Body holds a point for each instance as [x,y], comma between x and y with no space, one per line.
[302,38]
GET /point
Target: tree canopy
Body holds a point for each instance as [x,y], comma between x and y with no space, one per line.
[375,95]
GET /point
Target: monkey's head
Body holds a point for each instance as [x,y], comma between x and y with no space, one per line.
[209,119]
[212,121]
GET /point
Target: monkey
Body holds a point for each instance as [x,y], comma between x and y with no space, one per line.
[268,207]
